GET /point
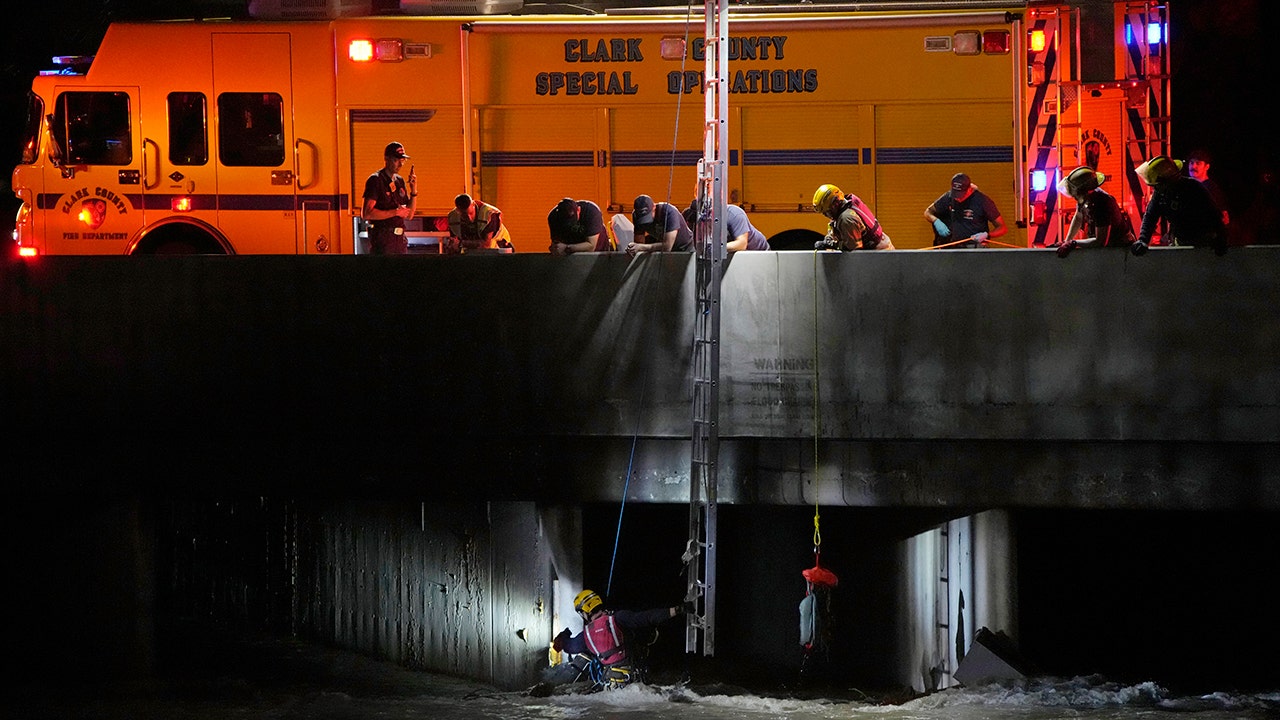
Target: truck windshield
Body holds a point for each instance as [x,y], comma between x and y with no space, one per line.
[31,129]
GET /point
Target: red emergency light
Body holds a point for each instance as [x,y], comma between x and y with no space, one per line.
[360,50]
[995,42]
[181,204]
[27,252]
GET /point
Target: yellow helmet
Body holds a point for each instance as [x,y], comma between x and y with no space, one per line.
[1159,169]
[586,602]
[1080,181]
[827,197]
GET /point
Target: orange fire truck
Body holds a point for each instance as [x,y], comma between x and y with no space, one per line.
[257,136]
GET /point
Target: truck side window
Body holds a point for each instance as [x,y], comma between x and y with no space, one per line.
[31,128]
[94,128]
[188,129]
[251,129]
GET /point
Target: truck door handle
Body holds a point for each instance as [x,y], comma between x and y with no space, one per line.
[314,165]
[147,175]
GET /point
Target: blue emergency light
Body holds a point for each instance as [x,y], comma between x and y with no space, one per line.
[1039,180]
[1155,33]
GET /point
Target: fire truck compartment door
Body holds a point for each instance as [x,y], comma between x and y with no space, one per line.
[254,138]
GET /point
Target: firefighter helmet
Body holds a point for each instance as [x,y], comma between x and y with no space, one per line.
[1158,169]
[1080,181]
[586,602]
[826,198]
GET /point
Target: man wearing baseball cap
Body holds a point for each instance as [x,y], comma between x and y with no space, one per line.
[964,215]
[660,227]
[388,201]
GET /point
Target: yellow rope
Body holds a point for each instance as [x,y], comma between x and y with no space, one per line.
[817,530]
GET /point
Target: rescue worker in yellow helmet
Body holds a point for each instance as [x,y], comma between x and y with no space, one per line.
[1188,207]
[1097,213]
[611,638]
[851,226]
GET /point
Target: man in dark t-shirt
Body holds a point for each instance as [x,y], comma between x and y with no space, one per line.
[388,201]
[965,215]
[577,226]
[660,227]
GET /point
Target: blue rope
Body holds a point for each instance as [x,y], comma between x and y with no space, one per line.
[609,588]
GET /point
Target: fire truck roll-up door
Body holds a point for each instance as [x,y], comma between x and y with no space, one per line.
[642,162]
[432,137]
[531,157]
[914,156]
[257,184]
[789,151]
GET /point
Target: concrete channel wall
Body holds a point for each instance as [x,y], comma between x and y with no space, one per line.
[1001,377]
[436,428]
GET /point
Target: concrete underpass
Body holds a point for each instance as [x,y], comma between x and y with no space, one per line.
[423,458]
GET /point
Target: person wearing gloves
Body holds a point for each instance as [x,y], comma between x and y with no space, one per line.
[852,226]
[612,638]
[1097,213]
[1188,207]
[964,215]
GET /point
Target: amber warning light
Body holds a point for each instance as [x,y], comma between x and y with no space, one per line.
[1036,42]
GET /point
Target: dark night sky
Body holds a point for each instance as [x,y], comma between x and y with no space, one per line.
[1221,53]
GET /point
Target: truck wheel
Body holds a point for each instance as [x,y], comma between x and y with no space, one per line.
[794,240]
[179,239]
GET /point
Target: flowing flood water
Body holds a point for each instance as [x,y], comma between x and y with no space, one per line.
[271,678]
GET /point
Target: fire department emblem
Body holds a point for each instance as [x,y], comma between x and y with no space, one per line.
[93,212]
